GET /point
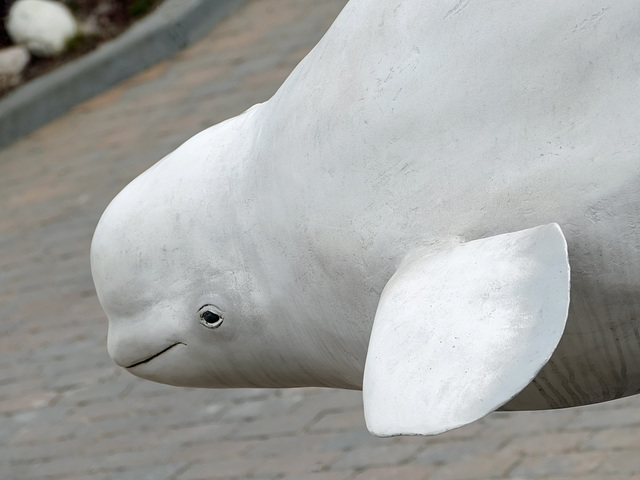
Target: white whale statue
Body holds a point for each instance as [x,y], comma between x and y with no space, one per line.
[408,215]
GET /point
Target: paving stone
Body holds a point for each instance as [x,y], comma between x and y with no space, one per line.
[615,438]
[350,439]
[83,476]
[320,476]
[222,468]
[103,411]
[375,456]
[585,477]
[261,477]
[120,426]
[57,452]
[105,445]
[402,472]
[64,467]
[271,426]
[477,468]
[204,451]
[576,464]
[44,433]
[518,423]
[624,462]
[339,420]
[204,432]
[298,444]
[547,443]
[43,416]
[300,463]
[32,401]
[160,472]
[8,429]
[138,459]
[444,453]
[15,472]
[106,392]
[250,410]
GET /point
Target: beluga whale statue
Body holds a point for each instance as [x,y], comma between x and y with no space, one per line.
[440,206]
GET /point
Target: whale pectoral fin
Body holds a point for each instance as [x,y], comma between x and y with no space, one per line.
[460,332]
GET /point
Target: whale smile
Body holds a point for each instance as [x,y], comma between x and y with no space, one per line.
[155,355]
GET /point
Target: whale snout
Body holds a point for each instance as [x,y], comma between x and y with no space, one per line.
[147,359]
[131,346]
[162,355]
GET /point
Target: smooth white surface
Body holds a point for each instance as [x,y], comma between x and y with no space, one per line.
[411,126]
[43,26]
[460,332]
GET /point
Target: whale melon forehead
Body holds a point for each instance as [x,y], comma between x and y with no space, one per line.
[159,239]
[189,195]
[181,225]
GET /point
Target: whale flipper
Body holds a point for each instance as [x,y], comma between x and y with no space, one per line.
[460,332]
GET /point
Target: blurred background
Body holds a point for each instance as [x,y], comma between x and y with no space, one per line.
[67,412]
[50,34]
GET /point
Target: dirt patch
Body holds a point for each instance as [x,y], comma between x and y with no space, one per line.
[100,21]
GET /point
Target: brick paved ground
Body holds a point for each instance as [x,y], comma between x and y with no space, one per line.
[66,412]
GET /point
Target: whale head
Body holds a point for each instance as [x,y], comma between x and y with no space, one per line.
[194,293]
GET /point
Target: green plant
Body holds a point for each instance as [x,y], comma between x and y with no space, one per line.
[79,42]
[138,8]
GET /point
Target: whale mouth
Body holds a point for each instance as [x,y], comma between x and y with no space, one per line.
[155,355]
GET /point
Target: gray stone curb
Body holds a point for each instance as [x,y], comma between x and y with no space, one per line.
[174,25]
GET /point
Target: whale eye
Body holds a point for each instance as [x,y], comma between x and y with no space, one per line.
[210,317]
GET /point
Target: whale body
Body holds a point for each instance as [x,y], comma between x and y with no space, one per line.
[440,206]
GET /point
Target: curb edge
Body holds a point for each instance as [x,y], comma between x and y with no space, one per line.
[171,27]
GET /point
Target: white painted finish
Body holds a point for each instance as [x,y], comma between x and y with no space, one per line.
[461,331]
[411,126]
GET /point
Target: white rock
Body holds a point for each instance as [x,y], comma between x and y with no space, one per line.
[43,26]
[13,60]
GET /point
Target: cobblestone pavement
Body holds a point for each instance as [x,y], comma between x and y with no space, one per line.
[66,412]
